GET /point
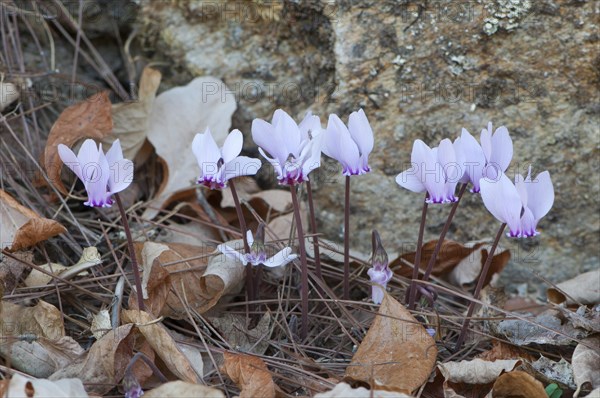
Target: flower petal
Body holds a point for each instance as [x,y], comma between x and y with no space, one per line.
[502,199]
[207,153]
[96,183]
[429,171]
[540,192]
[115,153]
[274,162]
[310,126]
[361,132]
[287,128]
[70,160]
[474,159]
[502,149]
[231,253]
[121,175]
[265,136]
[410,179]
[281,258]
[249,237]
[340,146]
[521,188]
[232,146]
[240,166]
[528,224]
[486,142]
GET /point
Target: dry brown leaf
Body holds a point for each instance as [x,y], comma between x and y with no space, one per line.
[502,350]
[163,344]
[177,116]
[233,328]
[22,227]
[87,119]
[397,353]
[104,364]
[180,278]
[181,389]
[192,233]
[251,375]
[131,119]
[11,269]
[476,371]
[20,386]
[101,324]
[42,320]
[459,264]
[344,390]
[9,93]
[245,188]
[40,357]
[518,384]
[586,363]
[584,288]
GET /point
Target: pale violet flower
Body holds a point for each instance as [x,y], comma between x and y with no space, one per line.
[257,253]
[520,205]
[434,170]
[294,150]
[488,159]
[102,174]
[537,197]
[218,165]
[350,145]
[380,274]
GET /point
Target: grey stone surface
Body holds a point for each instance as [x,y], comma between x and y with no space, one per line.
[420,70]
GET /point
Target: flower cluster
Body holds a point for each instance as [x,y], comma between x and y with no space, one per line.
[438,170]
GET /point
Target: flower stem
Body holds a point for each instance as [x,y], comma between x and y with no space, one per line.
[134,264]
[347,241]
[440,241]
[313,228]
[242,221]
[304,271]
[412,296]
[484,271]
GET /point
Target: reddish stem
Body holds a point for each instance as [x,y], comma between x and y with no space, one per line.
[347,241]
[134,264]
[484,271]
[304,265]
[313,227]
[249,274]
[415,276]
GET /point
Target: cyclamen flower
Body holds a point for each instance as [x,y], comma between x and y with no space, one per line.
[257,253]
[489,159]
[218,165]
[350,145]
[381,273]
[295,150]
[102,174]
[434,170]
[537,197]
[520,205]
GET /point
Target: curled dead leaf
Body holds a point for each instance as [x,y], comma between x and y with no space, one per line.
[518,384]
[163,345]
[42,320]
[102,367]
[22,227]
[583,289]
[397,353]
[9,93]
[251,375]
[476,371]
[89,258]
[87,119]
[586,359]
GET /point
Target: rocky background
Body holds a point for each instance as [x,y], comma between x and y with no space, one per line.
[421,69]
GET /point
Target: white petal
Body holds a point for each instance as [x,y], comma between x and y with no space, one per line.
[340,146]
[429,171]
[231,253]
[410,179]
[207,152]
[502,199]
[521,188]
[502,149]
[541,195]
[486,143]
[311,123]
[281,258]
[274,162]
[474,158]
[121,175]
[361,132]
[115,153]
[70,160]
[287,128]
[240,166]
[265,136]
[249,237]
[232,146]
